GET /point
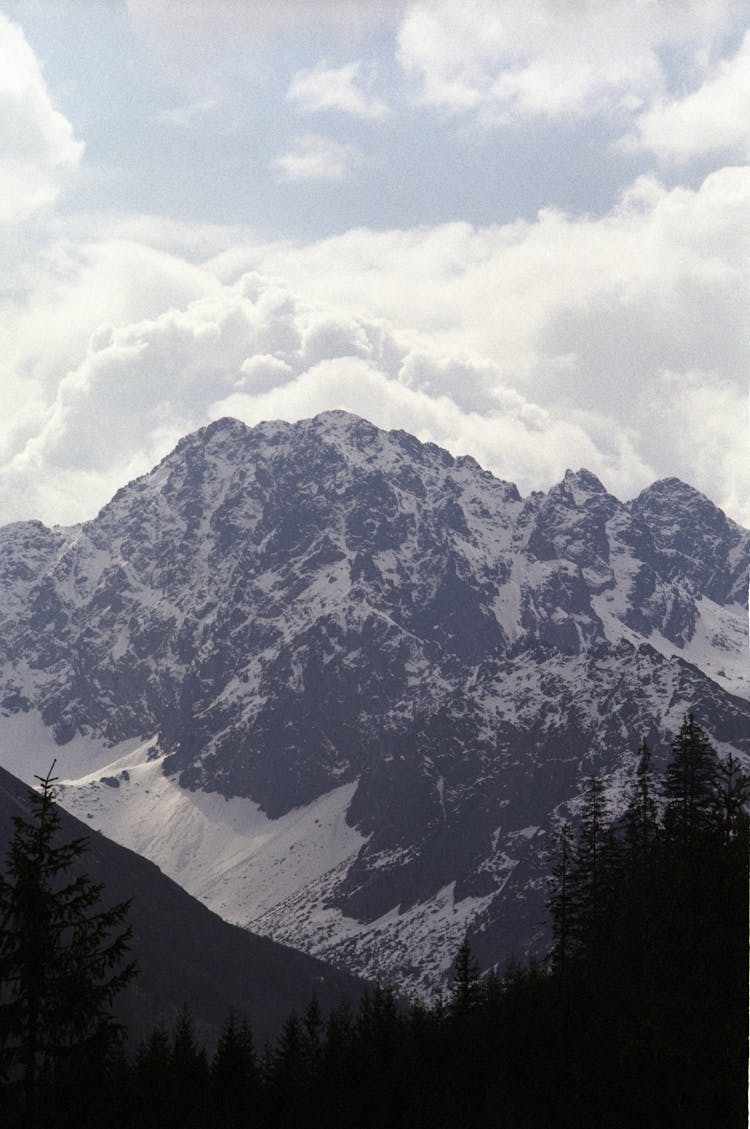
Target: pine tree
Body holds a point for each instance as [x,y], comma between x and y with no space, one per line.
[638,894]
[465,983]
[690,789]
[703,971]
[559,900]
[641,815]
[234,1081]
[732,798]
[587,885]
[288,1078]
[288,1057]
[189,1072]
[61,957]
[312,1025]
[153,1064]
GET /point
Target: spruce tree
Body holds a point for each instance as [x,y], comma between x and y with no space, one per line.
[312,1024]
[234,1081]
[703,971]
[641,815]
[61,958]
[587,885]
[288,1081]
[559,900]
[690,789]
[465,983]
[732,798]
[152,1074]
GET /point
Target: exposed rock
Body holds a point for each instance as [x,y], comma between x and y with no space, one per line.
[296,607]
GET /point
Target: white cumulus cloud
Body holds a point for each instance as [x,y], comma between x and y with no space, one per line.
[37,145]
[503,60]
[705,417]
[347,89]
[256,349]
[315,157]
[580,315]
[713,118]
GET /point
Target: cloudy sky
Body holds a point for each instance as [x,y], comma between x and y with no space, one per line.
[519,230]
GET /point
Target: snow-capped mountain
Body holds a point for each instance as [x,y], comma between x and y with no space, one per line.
[340,684]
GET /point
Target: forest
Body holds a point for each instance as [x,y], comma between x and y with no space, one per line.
[638,1015]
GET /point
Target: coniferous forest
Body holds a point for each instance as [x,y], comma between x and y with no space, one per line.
[638,1017]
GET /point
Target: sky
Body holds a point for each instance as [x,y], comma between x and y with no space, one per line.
[518,230]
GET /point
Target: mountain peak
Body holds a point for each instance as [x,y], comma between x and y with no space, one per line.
[672,496]
[585,481]
[696,538]
[338,417]
[671,487]
[225,425]
[338,422]
[393,669]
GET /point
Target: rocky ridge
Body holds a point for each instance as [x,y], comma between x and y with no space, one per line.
[326,618]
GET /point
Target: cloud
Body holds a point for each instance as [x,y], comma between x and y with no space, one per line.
[336,88]
[315,157]
[504,61]
[660,275]
[197,23]
[706,418]
[258,350]
[516,437]
[134,391]
[200,46]
[74,287]
[263,372]
[615,340]
[189,115]
[713,118]
[37,146]
[616,343]
[580,315]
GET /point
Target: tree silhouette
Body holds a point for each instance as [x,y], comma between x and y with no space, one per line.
[587,884]
[641,814]
[234,1079]
[59,960]
[690,789]
[465,983]
[558,901]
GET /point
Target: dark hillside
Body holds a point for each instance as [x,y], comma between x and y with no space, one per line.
[186,953]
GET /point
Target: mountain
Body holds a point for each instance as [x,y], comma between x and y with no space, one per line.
[342,686]
[186,953]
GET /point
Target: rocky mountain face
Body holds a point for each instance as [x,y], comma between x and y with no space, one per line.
[342,685]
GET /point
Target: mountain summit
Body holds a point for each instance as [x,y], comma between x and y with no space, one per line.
[342,685]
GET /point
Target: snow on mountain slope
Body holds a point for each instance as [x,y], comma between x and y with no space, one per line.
[226,851]
[344,673]
[185,952]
